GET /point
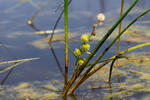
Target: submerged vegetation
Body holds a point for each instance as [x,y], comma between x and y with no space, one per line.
[90,63]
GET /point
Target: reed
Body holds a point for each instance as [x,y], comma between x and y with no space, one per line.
[118,44]
[66,39]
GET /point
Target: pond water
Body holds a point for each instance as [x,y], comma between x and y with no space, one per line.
[19,41]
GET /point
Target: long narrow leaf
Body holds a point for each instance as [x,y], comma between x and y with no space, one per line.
[15,65]
[16,61]
[122,52]
[10,67]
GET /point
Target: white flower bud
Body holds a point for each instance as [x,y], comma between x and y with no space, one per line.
[101,17]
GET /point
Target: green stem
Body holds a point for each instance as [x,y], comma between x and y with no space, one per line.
[121,13]
[66,39]
[118,45]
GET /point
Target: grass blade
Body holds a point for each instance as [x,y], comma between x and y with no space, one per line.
[17,64]
[16,61]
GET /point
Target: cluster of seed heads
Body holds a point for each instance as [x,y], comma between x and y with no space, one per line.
[85,46]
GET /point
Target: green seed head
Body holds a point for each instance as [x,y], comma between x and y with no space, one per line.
[81,61]
[78,52]
[85,47]
[84,38]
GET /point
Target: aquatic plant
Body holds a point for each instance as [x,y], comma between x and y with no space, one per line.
[83,70]
[66,39]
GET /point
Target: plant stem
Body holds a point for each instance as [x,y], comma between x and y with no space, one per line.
[66,40]
[82,79]
[111,68]
[118,45]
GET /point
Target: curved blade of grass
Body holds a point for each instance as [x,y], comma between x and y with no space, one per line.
[111,68]
[122,52]
[10,67]
[106,60]
[20,62]
[17,64]
[134,47]
[10,71]
[16,61]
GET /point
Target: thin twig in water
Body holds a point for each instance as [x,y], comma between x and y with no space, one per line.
[30,21]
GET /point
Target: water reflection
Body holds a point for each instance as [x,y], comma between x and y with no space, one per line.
[21,3]
[31,24]
[11,70]
[31,20]
[102,5]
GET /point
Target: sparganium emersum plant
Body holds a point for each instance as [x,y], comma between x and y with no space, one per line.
[83,69]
